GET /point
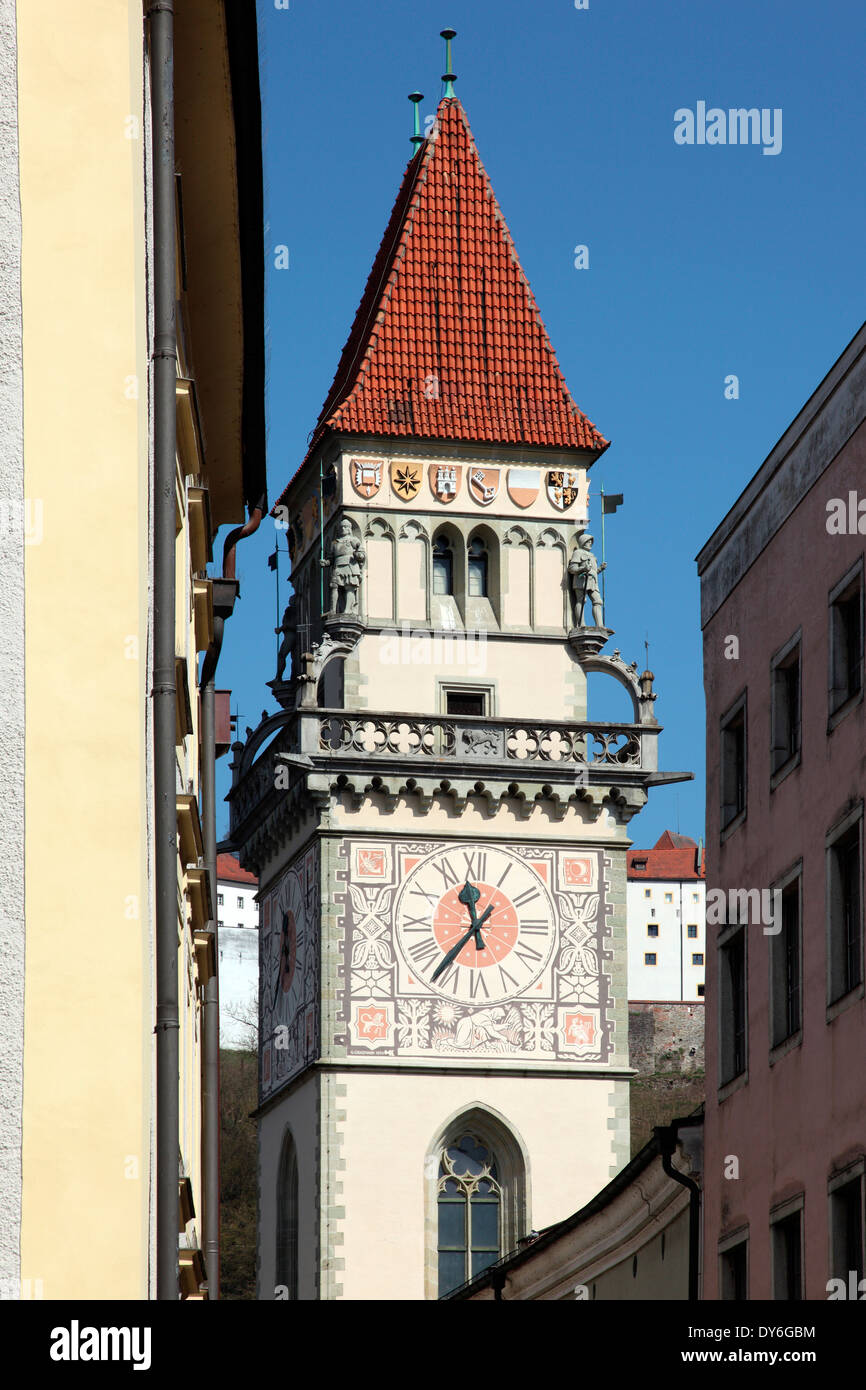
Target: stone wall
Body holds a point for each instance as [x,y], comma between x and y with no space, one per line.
[666,1047]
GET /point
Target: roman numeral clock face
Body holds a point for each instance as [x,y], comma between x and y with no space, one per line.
[473,924]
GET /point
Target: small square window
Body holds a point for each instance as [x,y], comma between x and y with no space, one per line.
[219,899]
[700,991]
[650,958]
[669,897]
[692,930]
[652,929]
[240,900]
[696,897]
[697,958]
[647,892]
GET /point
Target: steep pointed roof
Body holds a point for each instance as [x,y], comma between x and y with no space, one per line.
[448,341]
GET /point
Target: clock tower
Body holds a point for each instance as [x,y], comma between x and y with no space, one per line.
[439,831]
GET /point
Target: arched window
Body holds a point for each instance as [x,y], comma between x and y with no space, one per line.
[469,1209]
[443,567]
[287,1221]
[477,559]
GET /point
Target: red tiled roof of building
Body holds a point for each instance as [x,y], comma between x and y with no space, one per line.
[448,341]
[671,857]
[229,868]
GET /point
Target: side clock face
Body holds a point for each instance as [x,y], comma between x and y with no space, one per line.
[287,948]
[475,924]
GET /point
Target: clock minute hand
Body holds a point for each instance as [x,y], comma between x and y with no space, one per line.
[452,954]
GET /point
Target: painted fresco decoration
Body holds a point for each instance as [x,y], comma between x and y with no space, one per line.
[484,484]
[523,485]
[405,479]
[563,487]
[288,973]
[444,479]
[418,983]
[365,476]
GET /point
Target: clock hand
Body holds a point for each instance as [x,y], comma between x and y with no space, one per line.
[452,954]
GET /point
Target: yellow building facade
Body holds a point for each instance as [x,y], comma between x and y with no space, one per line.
[78,1086]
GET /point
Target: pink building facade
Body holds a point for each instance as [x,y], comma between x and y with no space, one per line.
[782,583]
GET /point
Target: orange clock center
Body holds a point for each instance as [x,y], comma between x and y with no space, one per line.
[499,933]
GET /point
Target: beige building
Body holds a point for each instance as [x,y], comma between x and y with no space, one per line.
[438,832]
[131,419]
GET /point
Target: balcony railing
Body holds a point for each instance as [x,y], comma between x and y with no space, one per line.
[476,739]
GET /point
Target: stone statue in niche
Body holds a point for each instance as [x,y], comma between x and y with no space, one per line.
[347,565]
[288,627]
[583,570]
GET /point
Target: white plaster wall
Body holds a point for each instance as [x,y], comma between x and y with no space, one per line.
[401,672]
[674,977]
[390,1123]
[11,667]
[299,1111]
[239,986]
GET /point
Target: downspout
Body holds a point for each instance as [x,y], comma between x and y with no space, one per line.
[666,1137]
[160,14]
[224,595]
[225,591]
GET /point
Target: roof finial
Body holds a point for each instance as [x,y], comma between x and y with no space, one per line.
[417,98]
[448,77]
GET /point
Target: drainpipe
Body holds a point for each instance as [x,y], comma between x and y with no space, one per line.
[224,595]
[240,533]
[164,357]
[666,1138]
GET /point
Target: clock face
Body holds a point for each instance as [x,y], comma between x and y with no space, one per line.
[288,925]
[443,898]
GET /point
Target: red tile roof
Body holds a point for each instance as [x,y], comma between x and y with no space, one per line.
[448,342]
[229,868]
[672,857]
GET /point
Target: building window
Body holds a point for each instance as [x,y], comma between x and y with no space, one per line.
[847,1226]
[846,639]
[240,901]
[443,567]
[219,922]
[469,1212]
[732,1005]
[652,912]
[700,991]
[696,897]
[787,1239]
[477,557]
[786,968]
[219,899]
[669,897]
[652,929]
[650,958]
[647,892]
[785,705]
[697,958]
[844,909]
[734,1271]
[287,1222]
[465,702]
[691,930]
[733,763]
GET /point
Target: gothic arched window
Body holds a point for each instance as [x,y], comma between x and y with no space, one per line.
[477,558]
[443,567]
[469,1204]
[287,1221]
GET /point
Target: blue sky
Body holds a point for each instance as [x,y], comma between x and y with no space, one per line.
[704,261]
